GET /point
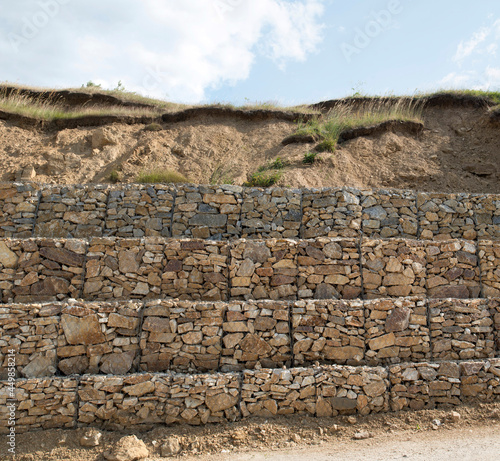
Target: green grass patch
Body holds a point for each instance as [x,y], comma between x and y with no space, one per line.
[153,127]
[114,176]
[161,176]
[264,178]
[347,115]
[309,158]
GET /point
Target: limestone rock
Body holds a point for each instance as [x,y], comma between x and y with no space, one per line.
[41,366]
[91,438]
[220,402]
[7,258]
[85,330]
[118,363]
[171,447]
[398,320]
[74,365]
[128,448]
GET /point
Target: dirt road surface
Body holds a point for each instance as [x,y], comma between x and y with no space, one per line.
[481,444]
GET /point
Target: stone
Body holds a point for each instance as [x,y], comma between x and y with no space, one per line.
[118,363]
[62,256]
[382,341]
[375,388]
[7,258]
[220,402]
[342,403]
[325,291]
[103,137]
[74,365]
[91,438]
[323,408]
[128,448]
[362,435]
[82,330]
[208,220]
[255,344]
[139,389]
[257,252]
[458,291]
[455,416]
[127,262]
[398,320]
[246,269]
[41,366]
[170,447]
[121,321]
[51,286]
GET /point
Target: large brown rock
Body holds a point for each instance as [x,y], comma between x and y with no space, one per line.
[398,320]
[74,365]
[82,330]
[128,448]
[220,402]
[62,256]
[118,363]
[258,252]
[7,258]
[51,286]
[256,345]
[41,366]
[127,262]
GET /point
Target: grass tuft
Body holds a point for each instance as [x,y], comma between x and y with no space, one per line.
[161,176]
[114,176]
[346,115]
[153,127]
[309,158]
[264,178]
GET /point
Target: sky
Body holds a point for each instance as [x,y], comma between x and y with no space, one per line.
[247,51]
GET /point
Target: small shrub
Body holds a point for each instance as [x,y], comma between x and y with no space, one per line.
[309,158]
[153,127]
[161,176]
[264,178]
[328,145]
[277,164]
[114,176]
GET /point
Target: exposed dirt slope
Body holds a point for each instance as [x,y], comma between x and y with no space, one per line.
[458,150]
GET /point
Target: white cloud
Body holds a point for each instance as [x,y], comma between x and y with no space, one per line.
[159,47]
[467,48]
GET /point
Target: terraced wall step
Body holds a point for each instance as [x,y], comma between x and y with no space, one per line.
[36,270]
[232,212]
[184,336]
[141,401]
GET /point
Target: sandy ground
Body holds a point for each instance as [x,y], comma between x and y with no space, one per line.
[481,444]
[474,434]
[457,151]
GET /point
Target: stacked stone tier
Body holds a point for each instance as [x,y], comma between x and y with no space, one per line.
[230,212]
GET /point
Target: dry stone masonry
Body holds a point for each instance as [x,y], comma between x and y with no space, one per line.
[181,336]
[328,332]
[453,270]
[487,214]
[135,211]
[256,334]
[461,329]
[397,331]
[271,213]
[480,380]
[207,212]
[394,268]
[72,211]
[18,205]
[389,213]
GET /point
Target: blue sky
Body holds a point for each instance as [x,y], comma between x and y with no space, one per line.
[285,51]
